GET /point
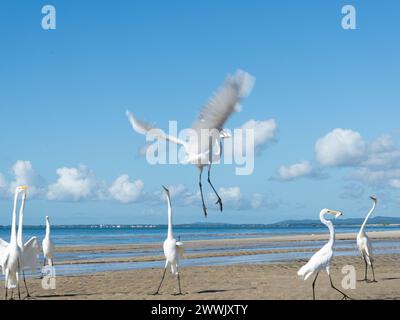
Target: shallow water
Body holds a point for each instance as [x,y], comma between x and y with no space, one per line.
[118,236]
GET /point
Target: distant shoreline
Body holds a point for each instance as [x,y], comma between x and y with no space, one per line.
[378,221]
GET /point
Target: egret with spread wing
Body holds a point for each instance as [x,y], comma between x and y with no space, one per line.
[10,253]
[364,244]
[322,259]
[205,148]
[173,250]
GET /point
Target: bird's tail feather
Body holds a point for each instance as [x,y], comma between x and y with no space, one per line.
[174,269]
[304,272]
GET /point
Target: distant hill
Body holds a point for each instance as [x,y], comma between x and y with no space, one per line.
[339,222]
[306,223]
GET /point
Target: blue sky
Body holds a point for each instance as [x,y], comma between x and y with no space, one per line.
[64,93]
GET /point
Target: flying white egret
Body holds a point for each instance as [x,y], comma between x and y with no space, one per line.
[173,250]
[322,258]
[30,249]
[48,245]
[10,253]
[204,147]
[364,244]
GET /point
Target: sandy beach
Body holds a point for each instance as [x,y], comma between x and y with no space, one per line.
[238,282]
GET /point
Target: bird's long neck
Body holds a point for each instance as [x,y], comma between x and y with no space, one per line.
[329,224]
[47,229]
[13,223]
[367,217]
[170,232]
[21,220]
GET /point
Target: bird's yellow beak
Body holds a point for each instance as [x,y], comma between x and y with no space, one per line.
[335,213]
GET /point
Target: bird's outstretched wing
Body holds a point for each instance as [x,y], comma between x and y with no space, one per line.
[180,248]
[3,253]
[225,101]
[145,128]
[30,254]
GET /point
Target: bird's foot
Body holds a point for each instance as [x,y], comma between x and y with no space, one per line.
[156,293]
[205,210]
[219,201]
[372,281]
[346,297]
[178,294]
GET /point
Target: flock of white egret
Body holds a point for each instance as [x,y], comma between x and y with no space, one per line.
[15,256]
[202,153]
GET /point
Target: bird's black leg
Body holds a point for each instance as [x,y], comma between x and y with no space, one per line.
[19,291]
[19,274]
[373,272]
[179,281]
[345,296]
[162,279]
[179,284]
[313,286]
[6,293]
[26,287]
[366,270]
[201,192]
[219,201]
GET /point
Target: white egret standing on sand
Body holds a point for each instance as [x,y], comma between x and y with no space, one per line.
[364,244]
[206,148]
[30,249]
[322,258]
[10,253]
[173,250]
[48,245]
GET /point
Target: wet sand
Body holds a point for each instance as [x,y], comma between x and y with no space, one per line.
[237,282]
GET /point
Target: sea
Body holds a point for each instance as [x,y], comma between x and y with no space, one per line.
[109,235]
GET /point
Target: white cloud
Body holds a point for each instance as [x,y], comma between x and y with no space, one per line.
[264,132]
[74,184]
[234,199]
[230,195]
[3,182]
[257,201]
[24,174]
[395,183]
[340,147]
[381,166]
[3,185]
[294,171]
[125,191]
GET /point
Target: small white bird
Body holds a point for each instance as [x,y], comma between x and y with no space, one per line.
[29,250]
[205,148]
[10,253]
[173,250]
[322,258]
[48,246]
[364,244]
